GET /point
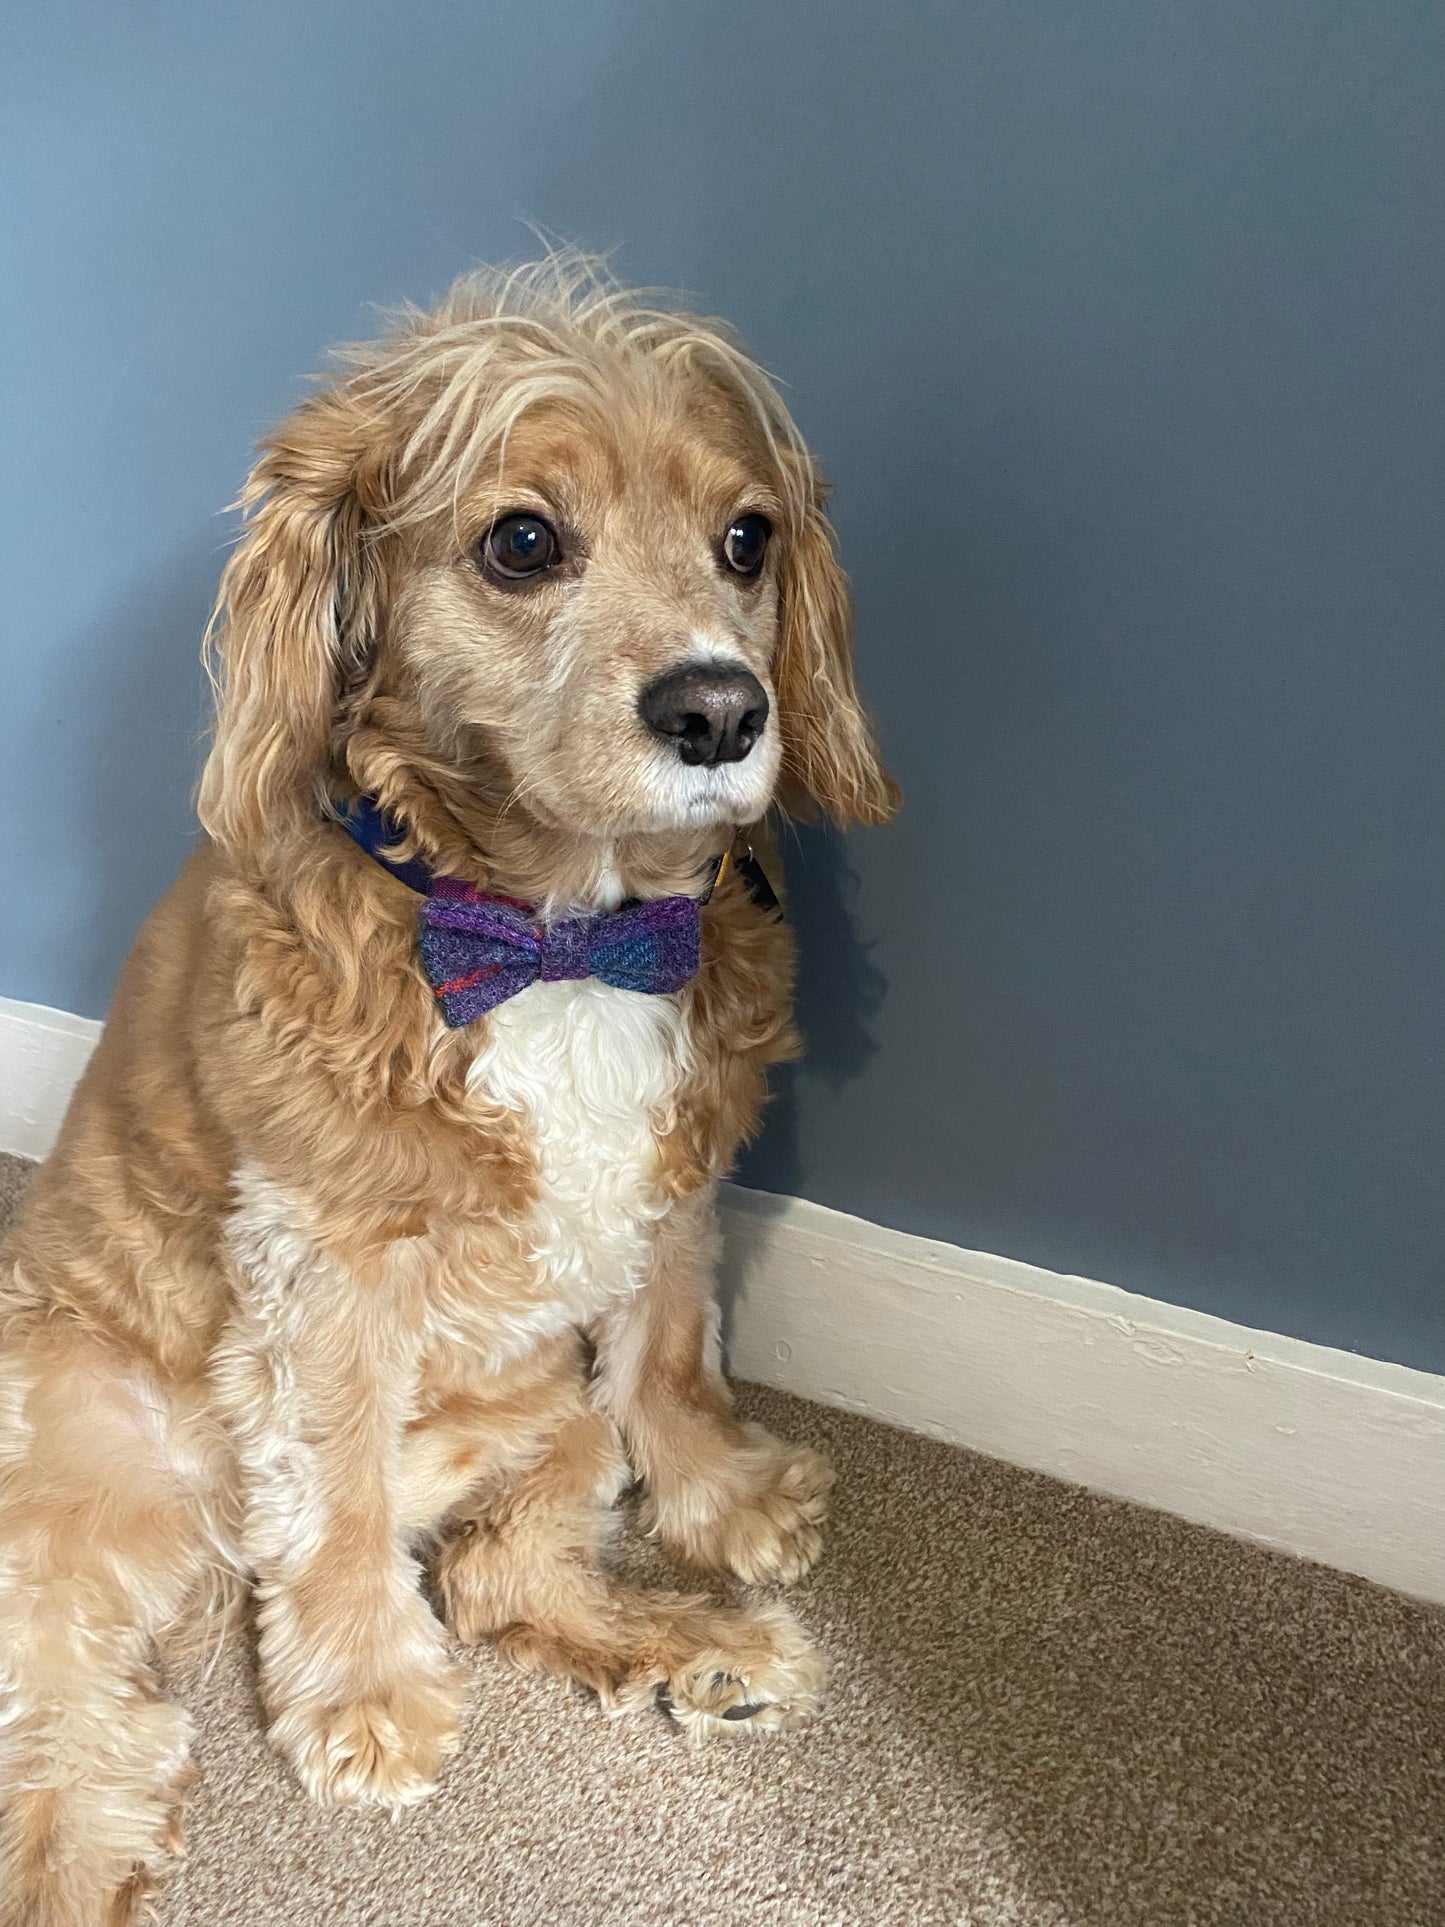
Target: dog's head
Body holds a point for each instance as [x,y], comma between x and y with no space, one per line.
[543,553]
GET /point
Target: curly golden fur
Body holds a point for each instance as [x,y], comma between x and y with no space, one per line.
[314,1292]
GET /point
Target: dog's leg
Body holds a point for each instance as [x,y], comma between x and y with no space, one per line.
[316,1377]
[521,1571]
[102,1546]
[719,1492]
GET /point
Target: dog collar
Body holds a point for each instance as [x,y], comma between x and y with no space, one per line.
[374,830]
[479,950]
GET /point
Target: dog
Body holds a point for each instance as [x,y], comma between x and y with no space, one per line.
[375,1250]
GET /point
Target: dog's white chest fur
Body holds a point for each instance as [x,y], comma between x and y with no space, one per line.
[589,1069]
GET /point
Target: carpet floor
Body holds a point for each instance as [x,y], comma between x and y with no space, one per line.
[1046,1710]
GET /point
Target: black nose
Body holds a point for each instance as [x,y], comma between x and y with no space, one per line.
[713,712]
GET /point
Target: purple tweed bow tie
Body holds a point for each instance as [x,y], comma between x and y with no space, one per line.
[480,950]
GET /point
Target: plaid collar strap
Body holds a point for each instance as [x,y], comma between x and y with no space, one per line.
[478,950]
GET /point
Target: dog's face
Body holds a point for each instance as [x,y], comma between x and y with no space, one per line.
[546,559]
[601,624]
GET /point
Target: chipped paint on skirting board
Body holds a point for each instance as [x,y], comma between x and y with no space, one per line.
[1310,1450]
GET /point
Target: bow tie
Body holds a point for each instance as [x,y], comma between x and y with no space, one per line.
[478,950]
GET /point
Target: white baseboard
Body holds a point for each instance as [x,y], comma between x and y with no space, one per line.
[42,1053]
[1297,1446]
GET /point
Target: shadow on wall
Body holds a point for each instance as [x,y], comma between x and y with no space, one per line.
[130,798]
[840,990]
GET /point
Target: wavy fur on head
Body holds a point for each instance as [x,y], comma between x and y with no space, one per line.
[314,1291]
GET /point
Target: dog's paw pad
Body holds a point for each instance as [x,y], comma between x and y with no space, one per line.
[772,1682]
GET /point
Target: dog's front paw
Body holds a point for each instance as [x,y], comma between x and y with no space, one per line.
[768,1681]
[759,1513]
[383,1748]
[717,1671]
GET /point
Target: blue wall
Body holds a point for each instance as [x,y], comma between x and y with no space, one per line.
[1119,326]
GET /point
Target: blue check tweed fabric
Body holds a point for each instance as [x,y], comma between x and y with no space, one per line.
[479,951]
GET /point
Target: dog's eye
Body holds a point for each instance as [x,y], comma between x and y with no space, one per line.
[519,546]
[746,543]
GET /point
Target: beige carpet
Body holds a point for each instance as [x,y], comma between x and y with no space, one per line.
[1046,1709]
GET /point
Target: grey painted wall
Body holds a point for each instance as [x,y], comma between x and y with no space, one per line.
[1119,326]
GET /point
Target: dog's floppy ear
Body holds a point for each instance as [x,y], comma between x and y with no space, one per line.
[829,754]
[295,618]
[830,759]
